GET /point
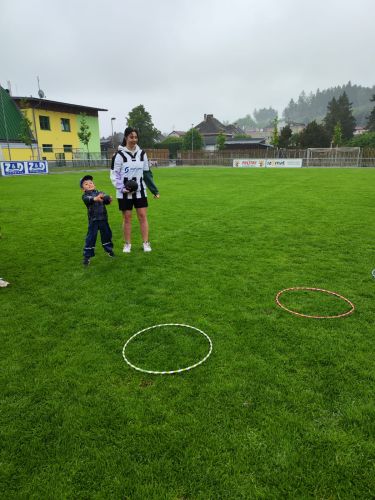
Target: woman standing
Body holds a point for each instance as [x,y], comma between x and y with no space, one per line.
[130,163]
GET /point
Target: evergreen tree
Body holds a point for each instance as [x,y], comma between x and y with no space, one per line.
[285,136]
[371,118]
[314,106]
[140,119]
[294,141]
[313,135]
[290,113]
[340,111]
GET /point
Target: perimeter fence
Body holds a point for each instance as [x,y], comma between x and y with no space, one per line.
[312,157]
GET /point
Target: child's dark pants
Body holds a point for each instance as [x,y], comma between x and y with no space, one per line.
[105,234]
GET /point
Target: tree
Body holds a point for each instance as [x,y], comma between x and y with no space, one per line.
[290,113]
[264,116]
[314,106]
[313,136]
[294,141]
[337,135]
[246,122]
[347,120]
[275,133]
[173,144]
[84,133]
[366,140]
[371,118]
[192,140]
[340,110]
[25,134]
[220,141]
[285,136]
[140,119]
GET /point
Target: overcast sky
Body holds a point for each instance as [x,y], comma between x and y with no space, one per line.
[184,58]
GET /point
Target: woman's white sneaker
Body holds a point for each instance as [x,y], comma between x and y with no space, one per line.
[147,246]
[127,248]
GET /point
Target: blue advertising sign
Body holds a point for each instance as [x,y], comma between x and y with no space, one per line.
[23,167]
[37,167]
[13,168]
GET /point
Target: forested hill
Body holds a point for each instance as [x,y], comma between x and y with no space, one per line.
[314,106]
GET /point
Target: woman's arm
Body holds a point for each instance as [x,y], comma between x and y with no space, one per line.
[148,177]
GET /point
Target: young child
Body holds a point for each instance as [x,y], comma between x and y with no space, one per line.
[95,202]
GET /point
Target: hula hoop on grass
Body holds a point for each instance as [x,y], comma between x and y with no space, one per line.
[315,290]
[170,372]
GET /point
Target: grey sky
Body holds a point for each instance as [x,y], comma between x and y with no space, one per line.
[184,58]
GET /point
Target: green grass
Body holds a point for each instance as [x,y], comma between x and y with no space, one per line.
[283,408]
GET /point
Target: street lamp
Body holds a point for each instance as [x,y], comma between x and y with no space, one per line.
[113,144]
[192,138]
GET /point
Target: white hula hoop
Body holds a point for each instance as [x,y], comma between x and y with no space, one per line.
[170,372]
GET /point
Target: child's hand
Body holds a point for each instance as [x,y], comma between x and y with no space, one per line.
[99,197]
[107,199]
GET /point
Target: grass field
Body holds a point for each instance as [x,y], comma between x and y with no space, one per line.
[283,408]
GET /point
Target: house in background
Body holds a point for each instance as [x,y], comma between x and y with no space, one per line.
[176,133]
[210,128]
[11,145]
[250,143]
[359,130]
[267,132]
[55,126]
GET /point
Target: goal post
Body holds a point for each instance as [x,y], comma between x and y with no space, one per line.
[333,157]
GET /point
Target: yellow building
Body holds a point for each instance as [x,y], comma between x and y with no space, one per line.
[55,126]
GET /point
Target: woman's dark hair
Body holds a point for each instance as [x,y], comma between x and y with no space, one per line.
[127,132]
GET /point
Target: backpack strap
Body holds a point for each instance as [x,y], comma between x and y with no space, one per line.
[114,157]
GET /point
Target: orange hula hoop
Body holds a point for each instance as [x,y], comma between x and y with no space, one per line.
[315,290]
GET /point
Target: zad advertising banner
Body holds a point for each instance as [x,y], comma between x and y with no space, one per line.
[9,168]
[276,163]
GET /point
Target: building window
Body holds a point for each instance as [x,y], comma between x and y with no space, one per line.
[44,123]
[47,148]
[65,124]
[68,148]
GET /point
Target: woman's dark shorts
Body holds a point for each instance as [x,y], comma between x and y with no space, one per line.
[125,204]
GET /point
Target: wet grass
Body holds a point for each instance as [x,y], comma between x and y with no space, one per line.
[284,406]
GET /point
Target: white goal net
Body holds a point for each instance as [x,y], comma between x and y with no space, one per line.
[333,157]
